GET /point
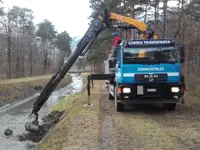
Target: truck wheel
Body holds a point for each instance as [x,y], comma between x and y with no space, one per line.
[110,97]
[170,106]
[118,106]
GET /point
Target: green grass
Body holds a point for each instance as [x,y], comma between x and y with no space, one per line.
[65,103]
[140,129]
[16,89]
[79,129]
[27,79]
[152,130]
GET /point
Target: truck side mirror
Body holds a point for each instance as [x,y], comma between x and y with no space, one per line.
[182,53]
[117,65]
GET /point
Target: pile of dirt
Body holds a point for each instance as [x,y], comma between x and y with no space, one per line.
[48,122]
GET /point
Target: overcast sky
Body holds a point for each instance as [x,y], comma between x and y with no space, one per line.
[69,15]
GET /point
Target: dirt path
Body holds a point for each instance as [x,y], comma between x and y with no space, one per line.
[148,127]
[100,127]
[108,140]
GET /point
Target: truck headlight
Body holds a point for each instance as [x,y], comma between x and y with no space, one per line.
[126,90]
[175,89]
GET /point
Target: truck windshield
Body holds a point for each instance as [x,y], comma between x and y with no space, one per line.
[150,55]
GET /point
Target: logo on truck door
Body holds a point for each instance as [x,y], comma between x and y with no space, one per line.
[151,77]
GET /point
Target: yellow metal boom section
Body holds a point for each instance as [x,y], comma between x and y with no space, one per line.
[145,33]
[138,24]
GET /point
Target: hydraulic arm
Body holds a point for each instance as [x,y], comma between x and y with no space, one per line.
[85,42]
[144,31]
[82,47]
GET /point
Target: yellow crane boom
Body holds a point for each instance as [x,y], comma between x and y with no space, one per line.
[145,32]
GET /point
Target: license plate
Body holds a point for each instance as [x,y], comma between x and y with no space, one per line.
[151,76]
[151,90]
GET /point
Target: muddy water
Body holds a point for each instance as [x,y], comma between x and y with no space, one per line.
[15,115]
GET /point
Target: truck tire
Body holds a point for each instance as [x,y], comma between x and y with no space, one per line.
[110,97]
[118,106]
[170,106]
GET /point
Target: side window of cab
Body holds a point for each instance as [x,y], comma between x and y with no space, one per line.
[118,53]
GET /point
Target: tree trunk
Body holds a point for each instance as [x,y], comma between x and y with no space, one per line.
[164,17]
[156,17]
[132,16]
[23,53]
[31,62]
[9,52]
[145,15]
[22,66]
[189,51]
[45,57]
[182,24]
[17,72]
[45,62]
[61,59]
[31,70]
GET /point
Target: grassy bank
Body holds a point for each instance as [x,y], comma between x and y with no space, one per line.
[17,89]
[80,119]
[141,127]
